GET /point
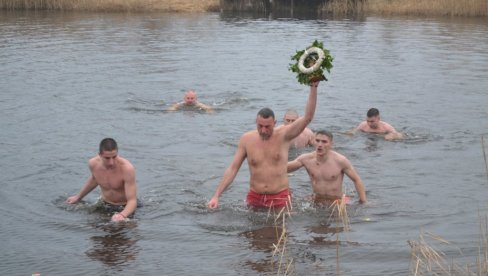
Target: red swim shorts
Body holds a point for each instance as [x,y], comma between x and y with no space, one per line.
[278,200]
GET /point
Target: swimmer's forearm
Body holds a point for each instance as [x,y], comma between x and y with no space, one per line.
[293,166]
[130,208]
[221,188]
[90,184]
[311,103]
[361,191]
[227,179]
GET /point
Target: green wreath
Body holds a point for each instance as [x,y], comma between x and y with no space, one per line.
[311,63]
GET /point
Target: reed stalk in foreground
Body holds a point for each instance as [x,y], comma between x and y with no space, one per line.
[428,260]
[285,262]
[339,214]
[484,155]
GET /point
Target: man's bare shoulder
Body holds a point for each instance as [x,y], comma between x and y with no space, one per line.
[387,127]
[248,137]
[249,134]
[306,157]
[363,126]
[334,154]
[339,158]
[94,161]
[126,164]
[307,131]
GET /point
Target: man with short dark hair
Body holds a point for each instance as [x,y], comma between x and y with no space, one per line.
[266,151]
[373,124]
[326,169]
[116,178]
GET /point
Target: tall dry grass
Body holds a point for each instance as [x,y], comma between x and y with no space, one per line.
[335,7]
[284,262]
[114,5]
[408,7]
[427,259]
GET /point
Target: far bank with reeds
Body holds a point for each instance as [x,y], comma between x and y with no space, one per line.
[114,5]
[408,7]
[333,7]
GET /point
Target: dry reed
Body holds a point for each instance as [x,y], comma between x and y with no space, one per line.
[335,7]
[408,7]
[484,155]
[285,261]
[339,212]
[114,5]
[428,260]
[339,215]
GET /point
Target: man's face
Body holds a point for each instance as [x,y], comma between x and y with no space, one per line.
[190,98]
[373,121]
[289,118]
[265,126]
[322,144]
[108,158]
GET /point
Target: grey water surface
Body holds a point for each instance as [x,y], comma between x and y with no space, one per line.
[70,79]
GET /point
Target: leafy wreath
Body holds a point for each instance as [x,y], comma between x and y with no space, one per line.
[311,63]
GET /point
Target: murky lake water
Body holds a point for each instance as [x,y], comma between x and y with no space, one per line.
[71,79]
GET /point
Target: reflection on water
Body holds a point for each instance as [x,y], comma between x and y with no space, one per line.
[265,240]
[117,245]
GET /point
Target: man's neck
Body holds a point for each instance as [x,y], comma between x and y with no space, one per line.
[322,158]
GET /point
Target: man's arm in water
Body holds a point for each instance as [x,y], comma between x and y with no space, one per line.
[130,194]
[229,174]
[89,185]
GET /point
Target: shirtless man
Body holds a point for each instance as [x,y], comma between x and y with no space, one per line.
[373,124]
[266,151]
[326,169]
[116,178]
[305,138]
[190,100]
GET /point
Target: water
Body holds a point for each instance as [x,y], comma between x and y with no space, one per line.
[71,79]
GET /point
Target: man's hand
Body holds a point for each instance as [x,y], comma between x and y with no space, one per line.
[314,83]
[73,199]
[118,217]
[213,203]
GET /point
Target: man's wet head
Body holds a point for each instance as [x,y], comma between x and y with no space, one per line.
[290,117]
[190,97]
[373,118]
[265,123]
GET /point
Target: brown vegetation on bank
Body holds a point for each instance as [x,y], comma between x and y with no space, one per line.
[408,7]
[114,5]
[335,7]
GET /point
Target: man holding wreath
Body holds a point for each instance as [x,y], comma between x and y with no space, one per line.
[266,151]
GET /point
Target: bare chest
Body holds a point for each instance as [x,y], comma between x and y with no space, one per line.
[268,153]
[109,179]
[328,171]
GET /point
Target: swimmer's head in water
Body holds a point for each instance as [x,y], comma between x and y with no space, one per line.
[190,98]
[373,118]
[290,117]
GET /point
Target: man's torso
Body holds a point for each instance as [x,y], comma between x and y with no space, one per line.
[111,181]
[267,161]
[326,176]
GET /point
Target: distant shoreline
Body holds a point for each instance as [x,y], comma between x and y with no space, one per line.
[194,6]
[470,8]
